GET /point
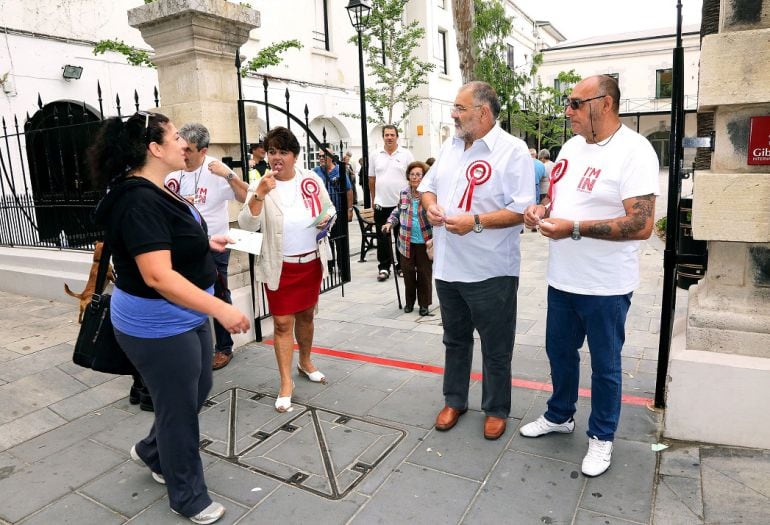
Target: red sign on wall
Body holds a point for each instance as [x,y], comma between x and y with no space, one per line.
[759,141]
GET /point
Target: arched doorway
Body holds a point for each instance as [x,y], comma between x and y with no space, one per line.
[660,142]
[57,137]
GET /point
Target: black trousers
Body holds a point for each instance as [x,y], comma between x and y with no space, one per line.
[177,371]
[489,306]
[384,246]
[418,276]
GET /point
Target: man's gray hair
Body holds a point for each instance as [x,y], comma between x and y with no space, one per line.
[544,154]
[348,153]
[483,93]
[197,134]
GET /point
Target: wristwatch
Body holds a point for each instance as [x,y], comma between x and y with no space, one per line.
[576,231]
[230,176]
[477,226]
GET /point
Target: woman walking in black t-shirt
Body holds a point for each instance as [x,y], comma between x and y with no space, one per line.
[163,297]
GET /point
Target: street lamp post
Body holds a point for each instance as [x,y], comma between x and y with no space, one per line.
[358,11]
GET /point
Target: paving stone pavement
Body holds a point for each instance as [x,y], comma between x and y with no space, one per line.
[362,448]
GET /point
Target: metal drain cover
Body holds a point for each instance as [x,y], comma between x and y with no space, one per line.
[321,451]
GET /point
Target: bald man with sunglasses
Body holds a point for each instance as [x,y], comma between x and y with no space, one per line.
[600,204]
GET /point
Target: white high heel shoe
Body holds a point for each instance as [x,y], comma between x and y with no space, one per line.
[315,377]
[283,404]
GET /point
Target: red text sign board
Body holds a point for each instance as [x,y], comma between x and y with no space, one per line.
[759,141]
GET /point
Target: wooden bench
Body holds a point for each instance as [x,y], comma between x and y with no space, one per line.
[368,230]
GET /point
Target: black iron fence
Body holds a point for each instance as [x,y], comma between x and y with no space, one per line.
[46,195]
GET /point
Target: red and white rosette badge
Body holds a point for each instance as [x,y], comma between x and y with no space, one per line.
[173,185]
[558,171]
[311,194]
[477,173]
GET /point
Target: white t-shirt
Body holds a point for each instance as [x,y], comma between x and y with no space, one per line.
[475,257]
[298,236]
[390,174]
[594,182]
[210,193]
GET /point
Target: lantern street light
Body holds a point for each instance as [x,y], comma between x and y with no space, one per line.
[358,11]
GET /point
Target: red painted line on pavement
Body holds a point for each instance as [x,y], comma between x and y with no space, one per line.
[626,399]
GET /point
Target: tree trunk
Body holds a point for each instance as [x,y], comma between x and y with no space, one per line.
[462,12]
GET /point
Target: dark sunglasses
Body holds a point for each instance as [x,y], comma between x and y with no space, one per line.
[146,115]
[575,103]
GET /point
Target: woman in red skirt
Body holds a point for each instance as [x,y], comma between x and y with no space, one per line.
[291,207]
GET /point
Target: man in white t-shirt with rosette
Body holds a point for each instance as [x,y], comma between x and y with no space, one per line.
[600,204]
[209,184]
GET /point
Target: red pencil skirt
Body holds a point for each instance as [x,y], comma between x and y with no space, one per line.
[298,288]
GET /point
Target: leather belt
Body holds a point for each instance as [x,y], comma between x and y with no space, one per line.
[305,257]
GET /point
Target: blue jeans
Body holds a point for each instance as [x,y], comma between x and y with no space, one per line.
[224,341]
[489,306]
[572,318]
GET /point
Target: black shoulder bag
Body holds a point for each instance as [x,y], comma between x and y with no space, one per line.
[96,347]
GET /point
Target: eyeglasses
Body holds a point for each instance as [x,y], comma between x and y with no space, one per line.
[575,103]
[457,108]
[416,174]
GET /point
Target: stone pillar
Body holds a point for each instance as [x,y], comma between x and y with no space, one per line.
[719,380]
[195,42]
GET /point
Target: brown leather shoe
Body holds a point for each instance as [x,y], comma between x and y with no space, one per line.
[220,360]
[448,417]
[494,427]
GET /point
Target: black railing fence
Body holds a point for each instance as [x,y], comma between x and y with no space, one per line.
[46,195]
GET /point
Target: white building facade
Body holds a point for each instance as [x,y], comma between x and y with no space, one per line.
[42,37]
[642,63]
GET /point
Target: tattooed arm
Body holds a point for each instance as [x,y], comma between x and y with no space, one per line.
[635,225]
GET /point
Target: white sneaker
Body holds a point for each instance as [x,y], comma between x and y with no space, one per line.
[541,426]
[208,515]
[157,477]
[598,457]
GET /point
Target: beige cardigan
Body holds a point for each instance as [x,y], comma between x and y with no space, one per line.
[270,223]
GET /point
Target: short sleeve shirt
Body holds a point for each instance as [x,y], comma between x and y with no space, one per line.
[590,182]
[503,175]
[389,170]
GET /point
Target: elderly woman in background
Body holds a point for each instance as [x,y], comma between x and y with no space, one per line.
[414,237]
[163,296]
[289,206]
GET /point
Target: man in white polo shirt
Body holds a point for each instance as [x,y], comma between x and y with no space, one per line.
[387,177]
[209,184]
[475,194]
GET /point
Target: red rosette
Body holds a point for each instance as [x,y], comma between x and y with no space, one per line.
[478,172]
[558,171]
[311,194]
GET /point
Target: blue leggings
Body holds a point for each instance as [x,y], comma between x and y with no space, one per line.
[177,371]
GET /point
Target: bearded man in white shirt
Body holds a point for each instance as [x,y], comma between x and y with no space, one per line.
[475,195]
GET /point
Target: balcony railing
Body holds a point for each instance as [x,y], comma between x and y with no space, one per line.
[646,105]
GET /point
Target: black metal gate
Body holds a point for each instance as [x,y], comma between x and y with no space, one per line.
[46,195]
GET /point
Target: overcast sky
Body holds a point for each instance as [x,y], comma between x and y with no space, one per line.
[586,18]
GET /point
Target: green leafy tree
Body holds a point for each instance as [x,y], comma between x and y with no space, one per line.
[542,116]
[390,43]
[270,55]
[134,56]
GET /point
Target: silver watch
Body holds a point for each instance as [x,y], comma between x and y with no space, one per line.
[576,231]
[477,226]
